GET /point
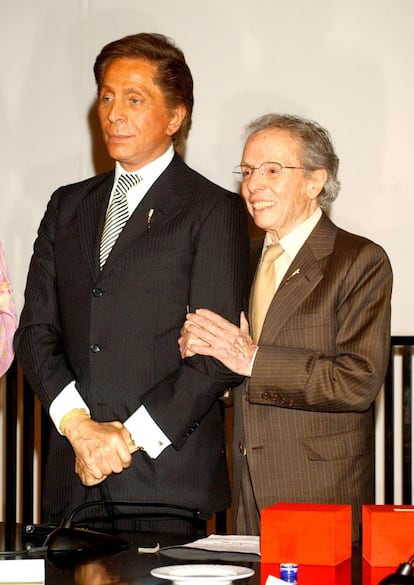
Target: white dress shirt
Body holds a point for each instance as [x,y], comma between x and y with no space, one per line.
[144,431]
[291,244]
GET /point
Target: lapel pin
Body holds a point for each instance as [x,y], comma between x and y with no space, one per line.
[297,271]
[149,217]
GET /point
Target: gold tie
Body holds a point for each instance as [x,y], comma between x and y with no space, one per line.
[264,288]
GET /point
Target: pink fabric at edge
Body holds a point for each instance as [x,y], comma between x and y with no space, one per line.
[8,317]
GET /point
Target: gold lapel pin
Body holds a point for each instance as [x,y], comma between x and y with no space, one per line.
[297,271]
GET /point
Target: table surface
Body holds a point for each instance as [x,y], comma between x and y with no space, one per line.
[129,567]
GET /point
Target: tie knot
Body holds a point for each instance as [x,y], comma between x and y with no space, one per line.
[272,253]
[126,181]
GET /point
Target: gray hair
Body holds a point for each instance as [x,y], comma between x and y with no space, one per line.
[316,151]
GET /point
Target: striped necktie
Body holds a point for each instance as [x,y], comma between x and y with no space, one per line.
[117,214]
[264,288]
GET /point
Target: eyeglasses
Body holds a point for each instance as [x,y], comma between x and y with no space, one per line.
[269,170]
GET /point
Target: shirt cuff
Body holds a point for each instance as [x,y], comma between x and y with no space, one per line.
[67,400]
[252,362]
[146,433]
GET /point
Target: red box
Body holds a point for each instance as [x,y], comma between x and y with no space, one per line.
[387,535]
[373,575]
[308,534]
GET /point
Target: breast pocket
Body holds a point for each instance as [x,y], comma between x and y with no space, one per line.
[308,321]
[314,331]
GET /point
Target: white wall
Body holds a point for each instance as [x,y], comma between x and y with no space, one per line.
[347,64]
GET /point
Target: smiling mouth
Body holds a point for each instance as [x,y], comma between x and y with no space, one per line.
[262,204]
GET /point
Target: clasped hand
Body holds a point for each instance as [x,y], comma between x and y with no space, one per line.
[207,333]
[100,448]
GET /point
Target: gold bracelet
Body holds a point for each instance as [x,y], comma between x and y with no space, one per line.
[70,415]
[132,445]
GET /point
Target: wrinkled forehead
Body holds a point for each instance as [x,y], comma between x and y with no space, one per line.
[272,144]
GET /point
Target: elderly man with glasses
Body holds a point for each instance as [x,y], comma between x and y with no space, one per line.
[315,354]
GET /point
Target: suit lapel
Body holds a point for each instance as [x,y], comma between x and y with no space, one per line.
[91,216]
[302,276]
[163,200]
[256,247]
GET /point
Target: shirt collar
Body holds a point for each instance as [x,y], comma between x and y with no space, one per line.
[294,240]
[150,172]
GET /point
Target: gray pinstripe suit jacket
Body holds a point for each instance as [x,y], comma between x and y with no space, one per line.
[323,352]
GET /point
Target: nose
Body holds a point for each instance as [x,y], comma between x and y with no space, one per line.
[116,113]
[251,188]
[256,180]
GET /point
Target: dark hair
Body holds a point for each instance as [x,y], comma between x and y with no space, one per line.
[173,75]
[316,150]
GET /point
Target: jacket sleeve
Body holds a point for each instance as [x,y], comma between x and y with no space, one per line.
[218,282]
[38,341]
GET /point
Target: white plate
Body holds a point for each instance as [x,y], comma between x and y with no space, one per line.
[200,574]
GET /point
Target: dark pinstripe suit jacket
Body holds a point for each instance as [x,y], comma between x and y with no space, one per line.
[115,332]
[323,354]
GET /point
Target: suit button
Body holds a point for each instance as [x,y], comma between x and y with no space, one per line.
[95,348]
[97,292]
[265,396]
[242,449]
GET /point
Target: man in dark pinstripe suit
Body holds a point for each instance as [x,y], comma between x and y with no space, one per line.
[304,429]
[98,340]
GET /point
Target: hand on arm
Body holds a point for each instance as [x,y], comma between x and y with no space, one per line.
[100,448]
[206,333]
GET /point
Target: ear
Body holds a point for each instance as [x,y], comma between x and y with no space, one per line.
[177,116]
[317,182]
